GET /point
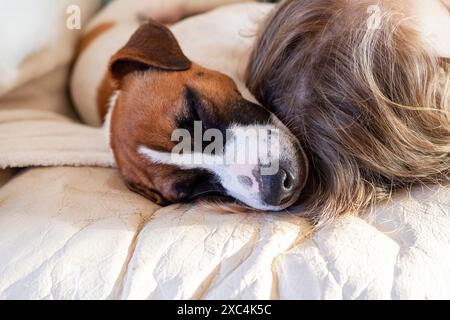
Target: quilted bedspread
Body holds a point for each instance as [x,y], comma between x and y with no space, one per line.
[85,236]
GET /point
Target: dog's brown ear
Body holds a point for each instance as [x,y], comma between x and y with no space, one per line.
[152,45]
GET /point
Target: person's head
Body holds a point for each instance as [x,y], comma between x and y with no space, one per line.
[364,94]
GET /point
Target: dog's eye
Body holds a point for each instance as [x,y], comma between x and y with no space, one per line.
[196,108]
[199,112]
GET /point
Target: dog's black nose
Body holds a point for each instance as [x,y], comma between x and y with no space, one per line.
[279,188]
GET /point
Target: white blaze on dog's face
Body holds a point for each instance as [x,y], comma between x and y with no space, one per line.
[256,165]
[161,93]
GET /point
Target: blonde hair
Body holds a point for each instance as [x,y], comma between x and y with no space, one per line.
[369,104]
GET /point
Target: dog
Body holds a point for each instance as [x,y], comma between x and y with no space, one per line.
[139,82]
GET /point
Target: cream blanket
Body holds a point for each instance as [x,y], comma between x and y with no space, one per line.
[46,139]
[78,233]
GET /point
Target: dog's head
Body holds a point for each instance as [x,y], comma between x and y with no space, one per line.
[164,103]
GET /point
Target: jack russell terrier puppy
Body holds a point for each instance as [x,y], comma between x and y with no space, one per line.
[138,79]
